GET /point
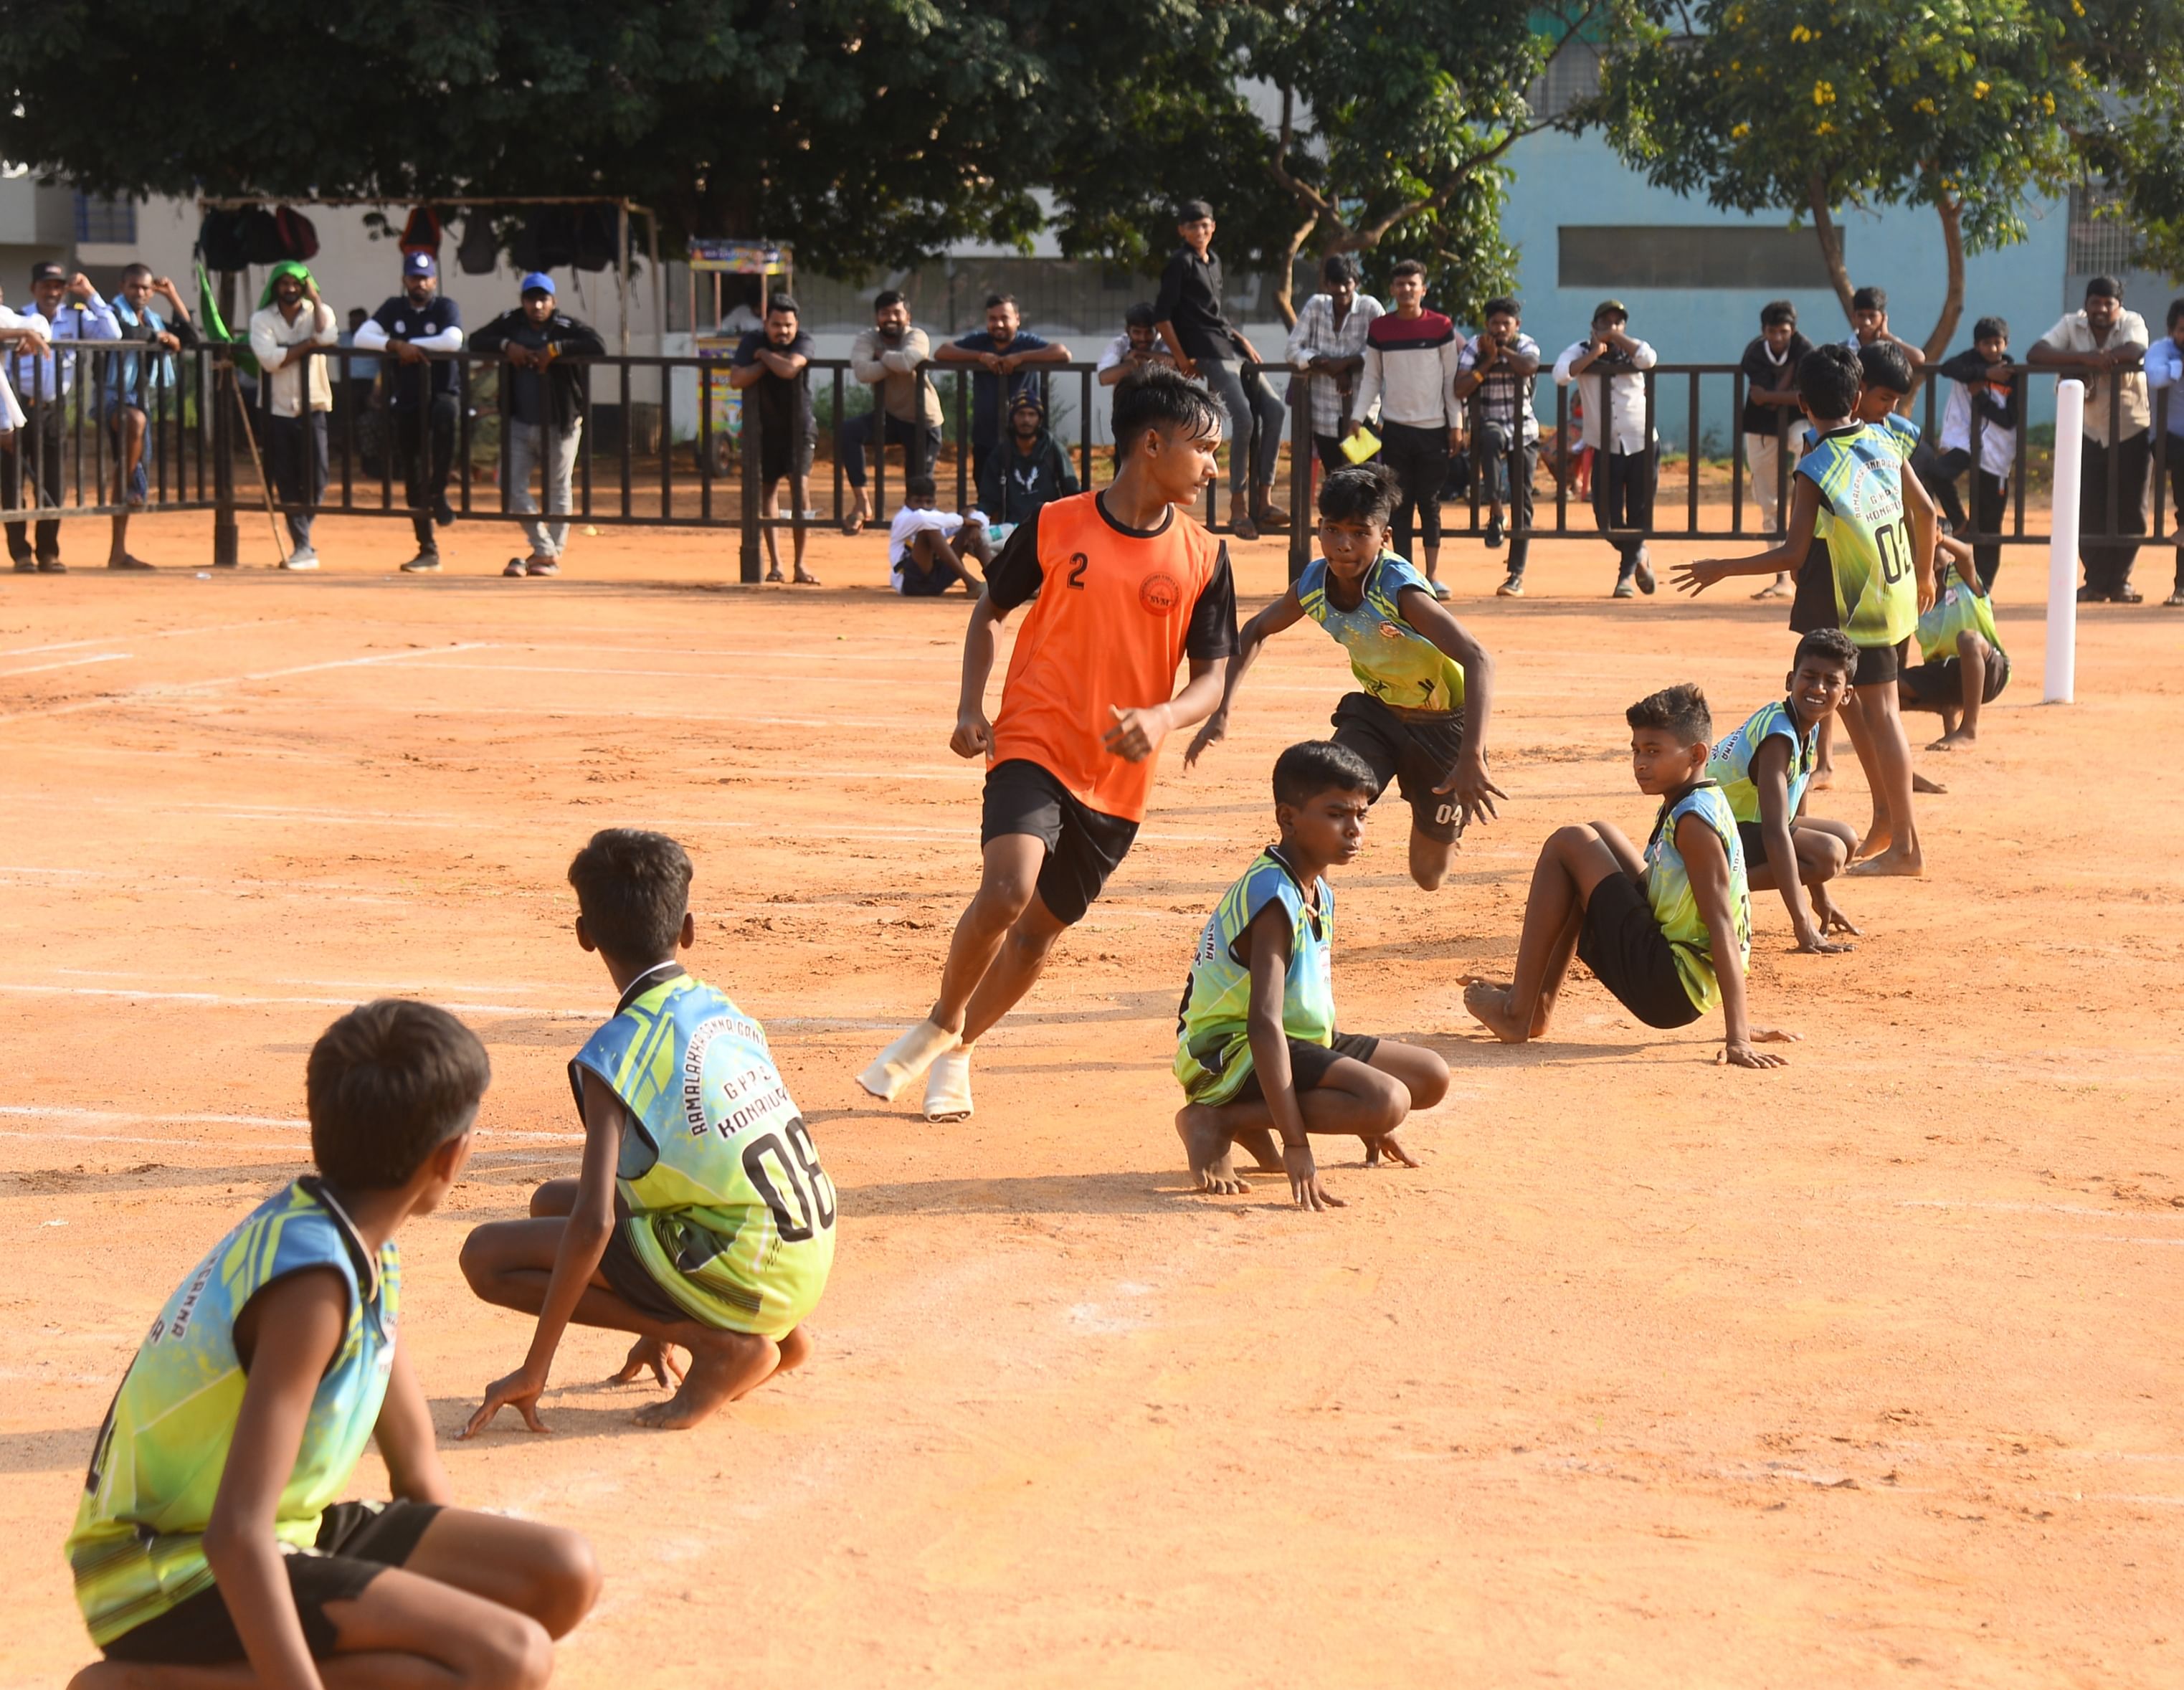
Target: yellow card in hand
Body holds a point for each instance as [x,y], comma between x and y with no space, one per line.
[1361,445]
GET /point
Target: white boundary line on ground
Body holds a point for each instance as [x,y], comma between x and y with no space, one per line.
[150,633]
[25,989]
[68,663]
[171,689]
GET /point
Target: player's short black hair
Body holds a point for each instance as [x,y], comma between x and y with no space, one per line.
[2105,287]
[1829,644]
[1338,267]
[920,486]
[1502,304]
[1190,210]
[386,1085]
[140,268]
[1360,493]
[2175,312]
[633,889]
[1680,710]
[1997,328]
[1408,266]
[1140,315]
[1777,311]
[1869,299]
[782,302]
[1163,398]
[1828,379]
[1305,771]
[886,297]
[1008,299]
[1883,365]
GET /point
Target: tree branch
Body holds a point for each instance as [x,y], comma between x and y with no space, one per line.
[1952,211]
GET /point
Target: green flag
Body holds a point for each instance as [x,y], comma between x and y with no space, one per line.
[214,326]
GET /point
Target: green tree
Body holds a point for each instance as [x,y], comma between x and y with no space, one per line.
[1812,107]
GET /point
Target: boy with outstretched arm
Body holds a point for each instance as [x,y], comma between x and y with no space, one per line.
[1256,1048]
[701,1218]
[1669,933]
[208,1547]
[1124,585]
[1764,768]
[1858,501]
[1964,666]
[1427,685]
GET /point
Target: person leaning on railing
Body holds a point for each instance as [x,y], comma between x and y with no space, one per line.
[2164,375]
[890,357]
[297,392]
[43,379]
[2104,346]
[131,393]
[421,395]
[1326,348]
[1615,428]
[544,416]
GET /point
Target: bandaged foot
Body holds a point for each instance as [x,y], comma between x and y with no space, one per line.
[948,1086]
[903,1061]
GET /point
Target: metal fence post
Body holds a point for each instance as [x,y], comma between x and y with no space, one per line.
[1302,464]
[226,538]
[749,571]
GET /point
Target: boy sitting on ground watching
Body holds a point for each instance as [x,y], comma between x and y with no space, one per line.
[208,1549]
[1669,933]
[702,1217]
[928,549]
[1964,666]
[1256,1047]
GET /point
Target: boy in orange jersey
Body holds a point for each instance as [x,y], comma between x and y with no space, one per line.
[1124,585]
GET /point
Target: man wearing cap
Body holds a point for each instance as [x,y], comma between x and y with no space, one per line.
[2104,346]
[1615,426]
[42,381]
[542,421]
[1026,469]
[421,394]
[295,395]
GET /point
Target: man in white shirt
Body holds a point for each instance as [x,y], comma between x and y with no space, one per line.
[1326,348]
[1615,428]
[2104,346]
[296,394]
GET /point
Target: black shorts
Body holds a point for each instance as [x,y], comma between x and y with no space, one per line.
[1310,1064]
[773,458]
[1814,605]
[1942,683]
[1755,844]
[1417,755]
[913,583]
[1878,666]
[1623,945]
[630,1279]
[357,1543]
[1084,846]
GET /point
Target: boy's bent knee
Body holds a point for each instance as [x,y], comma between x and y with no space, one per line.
[517,1654]
[566,1580]
[1429,1084]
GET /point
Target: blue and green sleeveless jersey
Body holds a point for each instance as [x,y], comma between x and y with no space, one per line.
[1731,766]
[1676,906]
[1213,1038]
[1957,610]
[1903,435]
[729,1209]
[1859,475]
[138,1547]
[1393,661]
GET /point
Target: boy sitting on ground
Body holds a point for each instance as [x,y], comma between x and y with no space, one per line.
[1256,1048]
[701,1217]
[1669,932]
[208,1547]
[1764,769]
[1965,666]
[928,548]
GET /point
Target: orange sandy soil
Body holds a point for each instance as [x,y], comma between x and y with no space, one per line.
[1656,1373]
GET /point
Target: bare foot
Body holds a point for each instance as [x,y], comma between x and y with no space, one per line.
[1932,788]
[1781,587]
[1877,837]
[1389,1145]
[1260,1141]
[1207,1145]
[1490,1008]
[1950,742]
[1891,862]
[723,1366]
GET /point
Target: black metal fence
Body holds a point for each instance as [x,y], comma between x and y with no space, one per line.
[662,445]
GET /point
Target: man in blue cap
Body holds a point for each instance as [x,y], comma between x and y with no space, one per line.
[421,394]
[542,412]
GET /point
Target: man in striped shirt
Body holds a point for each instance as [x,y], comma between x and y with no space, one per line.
[1327,348]
[1410,369]
[1499,366]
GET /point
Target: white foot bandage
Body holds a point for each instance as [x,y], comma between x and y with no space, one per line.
[903,1061]
[948,1086]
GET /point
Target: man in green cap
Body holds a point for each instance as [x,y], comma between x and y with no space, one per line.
[297,393]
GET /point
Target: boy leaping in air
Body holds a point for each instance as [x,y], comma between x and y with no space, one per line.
[1124,584]
[208,1547]
[1428,686]
[1765,768]
[1857,499]
[1669,932]
[1964,666]
[1256,1048]
[701,1218]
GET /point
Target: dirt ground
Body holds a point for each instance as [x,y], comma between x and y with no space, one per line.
[1863,1371]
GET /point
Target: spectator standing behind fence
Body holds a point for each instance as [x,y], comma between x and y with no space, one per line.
[542,414]
[1771,416]
[296,392]
[2105,346]
[2164,377]
[1205,344]
[42,380]
[1868,322]
[1137,348]
[15,330]
[1410,373]
[906,411]
[1982,383]
[773,365]
[1027,470]
[1007,356]
[1326,348]
[1499,366]
[421,395]
[1616,428]
[134,392]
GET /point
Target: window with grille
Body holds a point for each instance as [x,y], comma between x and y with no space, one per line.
[1571,76]
[104,222]
[2102,243]
[1615,256]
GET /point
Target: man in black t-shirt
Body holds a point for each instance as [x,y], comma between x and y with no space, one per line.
[542,414]
[421,395]
[772,367]
[1770,415]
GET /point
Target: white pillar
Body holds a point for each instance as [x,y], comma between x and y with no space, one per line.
[2060,682]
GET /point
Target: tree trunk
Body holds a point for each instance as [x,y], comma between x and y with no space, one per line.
[1284,284]
[1829,236]
[1953,302]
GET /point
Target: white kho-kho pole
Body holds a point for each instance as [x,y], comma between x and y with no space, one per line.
[2061,679]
